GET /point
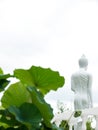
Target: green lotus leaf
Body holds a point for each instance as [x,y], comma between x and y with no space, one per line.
[1,71]
[16,95]
[5,76]
[3,81]
[44,108]
[27,114]
[7,120]
[44,79]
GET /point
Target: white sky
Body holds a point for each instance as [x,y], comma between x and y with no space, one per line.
[50,33]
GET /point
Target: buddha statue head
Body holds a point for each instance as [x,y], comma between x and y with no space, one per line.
[83,62]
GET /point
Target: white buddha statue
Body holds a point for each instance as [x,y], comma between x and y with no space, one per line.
[81,85]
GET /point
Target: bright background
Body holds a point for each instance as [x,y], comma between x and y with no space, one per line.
[50,33]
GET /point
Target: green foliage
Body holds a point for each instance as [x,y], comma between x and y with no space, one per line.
[23,105]
[77,113]
[3,80]
[88,125]
[40,103]
[15,95]
[44,79]
[1,71]
[28,114]
[64,125]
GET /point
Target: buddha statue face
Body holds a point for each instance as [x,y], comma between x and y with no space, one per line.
[83,62]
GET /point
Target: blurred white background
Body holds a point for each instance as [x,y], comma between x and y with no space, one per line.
[50,33]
